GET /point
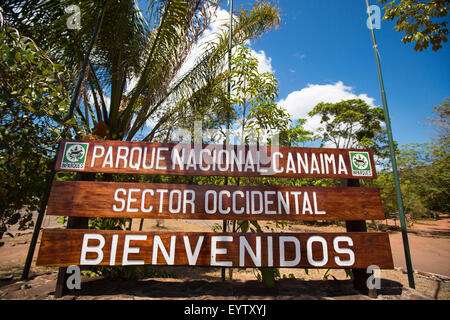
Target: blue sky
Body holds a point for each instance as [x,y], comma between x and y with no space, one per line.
[323,49]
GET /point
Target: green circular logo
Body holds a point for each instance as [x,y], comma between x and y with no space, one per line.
[75,153]
[360,161]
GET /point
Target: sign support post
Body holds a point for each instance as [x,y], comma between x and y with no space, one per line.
[72,223]
[230,46]
[360,276]
[398,192]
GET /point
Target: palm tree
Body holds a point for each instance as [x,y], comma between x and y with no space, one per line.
[134,76]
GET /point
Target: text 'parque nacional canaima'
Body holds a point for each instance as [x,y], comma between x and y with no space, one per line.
[198,159]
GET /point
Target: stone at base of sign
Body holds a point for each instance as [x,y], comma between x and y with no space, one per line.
[297,250]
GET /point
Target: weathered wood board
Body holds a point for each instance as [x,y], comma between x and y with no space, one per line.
[209,202]
[299,250]
[218,160]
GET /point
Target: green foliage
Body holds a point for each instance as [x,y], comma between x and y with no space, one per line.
[130,48]
[147,52]
[107,223]
[424,171]
[128,272]
[327,274]
[137,59]
[289,276]
[295,135]
[352,124]
[268,276]
[254,95]
[422,22]
[33,101]
[255,112]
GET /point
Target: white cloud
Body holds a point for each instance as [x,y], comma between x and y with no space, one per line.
[299,103]
[264,62]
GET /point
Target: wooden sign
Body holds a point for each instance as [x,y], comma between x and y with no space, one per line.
[297,250]
[218,160]
[176,201]
[356,250]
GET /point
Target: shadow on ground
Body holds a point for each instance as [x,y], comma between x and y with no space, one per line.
[206,289]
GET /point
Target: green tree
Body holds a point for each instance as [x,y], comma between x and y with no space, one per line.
[255,114]
[351,124]
[134,76]
[441,120]
[422,22]
[147,51]
[296,135]
[33,101]
[439,153]
[427,165]
[253,97]
[424,170]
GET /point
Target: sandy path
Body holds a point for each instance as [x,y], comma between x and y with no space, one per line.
[429,243]
[427,253]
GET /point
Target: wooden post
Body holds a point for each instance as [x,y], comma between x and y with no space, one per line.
[360,276]
[61,288]
[72,223]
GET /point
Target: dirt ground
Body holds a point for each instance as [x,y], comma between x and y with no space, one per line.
[429,244]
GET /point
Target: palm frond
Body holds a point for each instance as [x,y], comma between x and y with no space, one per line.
[248,25]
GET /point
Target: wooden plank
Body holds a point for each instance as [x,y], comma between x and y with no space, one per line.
[297,250]
[218,160]
[175,201]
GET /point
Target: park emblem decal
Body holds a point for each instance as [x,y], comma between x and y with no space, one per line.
[360,163]
[74,156]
